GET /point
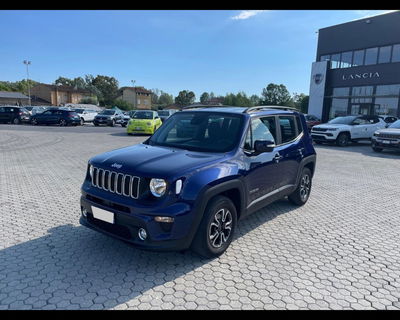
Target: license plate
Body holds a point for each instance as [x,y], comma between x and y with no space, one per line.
[103,215]
[386,141]
[138,128]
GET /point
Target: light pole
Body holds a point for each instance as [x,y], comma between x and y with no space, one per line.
[27,63]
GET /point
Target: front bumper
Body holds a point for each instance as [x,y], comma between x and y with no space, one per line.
[326,136]
[139,129]
[129,219]
[102,121]
[385,143]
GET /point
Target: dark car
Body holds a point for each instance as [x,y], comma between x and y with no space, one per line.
[388,138]
[15,115]
[175,193]
[165,114]
[57,116]
[312,121]
[109,117]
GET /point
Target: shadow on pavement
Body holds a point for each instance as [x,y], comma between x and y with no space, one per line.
[76,268]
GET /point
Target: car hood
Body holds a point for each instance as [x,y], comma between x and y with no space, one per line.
[154,161]
[332,126]
[389,131]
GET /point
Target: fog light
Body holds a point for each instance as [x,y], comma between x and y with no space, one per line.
[84,213]
[164,219]
[142,234]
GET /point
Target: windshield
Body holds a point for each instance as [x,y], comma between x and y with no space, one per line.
[343,120]
[79,110]
[143,115]
[163,113]
[108,112]
[200,131]
[395,125]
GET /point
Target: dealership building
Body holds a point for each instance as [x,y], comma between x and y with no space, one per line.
[357,68]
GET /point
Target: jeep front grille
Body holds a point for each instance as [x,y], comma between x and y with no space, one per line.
[115,182]
[389,136]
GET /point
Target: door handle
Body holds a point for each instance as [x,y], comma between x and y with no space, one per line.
[277,157]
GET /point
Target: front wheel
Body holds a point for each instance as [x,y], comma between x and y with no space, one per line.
[343,140]
[34,121]
[377,149]
[82,121]
[302,193]
[16,121]
[63,123]
[216,229]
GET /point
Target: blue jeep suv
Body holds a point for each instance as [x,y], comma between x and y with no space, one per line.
[203,170]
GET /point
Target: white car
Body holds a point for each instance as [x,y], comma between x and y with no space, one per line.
[86,115]
[343,130]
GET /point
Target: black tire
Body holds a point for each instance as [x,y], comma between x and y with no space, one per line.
[112,124]
[82,121]
[300,196]
[96,124]
[343,140]
[62,123]
[34,121]
[16,121]
[377,149]
[204,243]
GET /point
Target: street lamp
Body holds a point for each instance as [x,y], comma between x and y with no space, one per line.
[27,63]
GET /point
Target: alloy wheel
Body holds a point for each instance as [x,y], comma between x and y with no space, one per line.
[220,228]
[305,186]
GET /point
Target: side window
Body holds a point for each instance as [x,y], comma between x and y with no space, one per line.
[288,128]
[360,121]
[261,129]
[299,125]
[2,109]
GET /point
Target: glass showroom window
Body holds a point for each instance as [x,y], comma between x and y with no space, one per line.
[358,58]
[335,58]
[346,59]
[396,53]
[384,54]
[371,56]
[364,94]
[325,58]
[387,106]
[388,90]
[339,105]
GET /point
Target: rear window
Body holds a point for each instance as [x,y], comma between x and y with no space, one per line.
[288,128]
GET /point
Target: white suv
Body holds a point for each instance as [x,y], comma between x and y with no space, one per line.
[342,130]
[86,115]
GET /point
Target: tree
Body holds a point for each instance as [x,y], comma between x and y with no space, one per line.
[255,100]
[240,99]
[204,98]
[165,99]
[185,98]
[107,87]
[301,102]
[277,95]
[122,104]
[89,100]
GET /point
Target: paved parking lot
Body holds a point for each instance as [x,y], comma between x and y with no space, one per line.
[339,251]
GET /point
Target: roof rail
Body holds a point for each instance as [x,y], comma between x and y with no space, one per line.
[250,109]
[194,106]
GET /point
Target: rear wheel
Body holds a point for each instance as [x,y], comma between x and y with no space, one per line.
[82,121]
[63,123]
[302,193]
[343,140]
[34,121]
[216,229]
[16,121]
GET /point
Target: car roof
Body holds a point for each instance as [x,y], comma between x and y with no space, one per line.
[252,111]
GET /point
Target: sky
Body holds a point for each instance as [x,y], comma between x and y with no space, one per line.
[220,51]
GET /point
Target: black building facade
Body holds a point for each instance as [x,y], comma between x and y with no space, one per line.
[357,68]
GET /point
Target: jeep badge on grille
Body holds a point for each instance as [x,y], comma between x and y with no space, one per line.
[116,165]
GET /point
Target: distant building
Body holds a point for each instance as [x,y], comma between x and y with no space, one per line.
[139,97]
[13,98]
[56,95]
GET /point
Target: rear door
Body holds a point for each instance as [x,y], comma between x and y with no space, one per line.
[3,115]
[289,151]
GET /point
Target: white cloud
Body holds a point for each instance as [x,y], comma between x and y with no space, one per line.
[245,14]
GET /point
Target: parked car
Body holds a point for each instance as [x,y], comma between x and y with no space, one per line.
[56,116]
[144,121]
[35,109]
[15,115]
[388,138]
[343,130]
[86,115]
[125,119]
[109,117]
[389,119]
[171,193]
[311,121]
[165,114]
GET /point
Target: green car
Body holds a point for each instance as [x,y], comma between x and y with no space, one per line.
[144,121]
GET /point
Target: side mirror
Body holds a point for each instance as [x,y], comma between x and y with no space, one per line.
[261,146]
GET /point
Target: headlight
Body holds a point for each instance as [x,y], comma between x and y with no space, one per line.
[376,133]
[158,187]
[91,171]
